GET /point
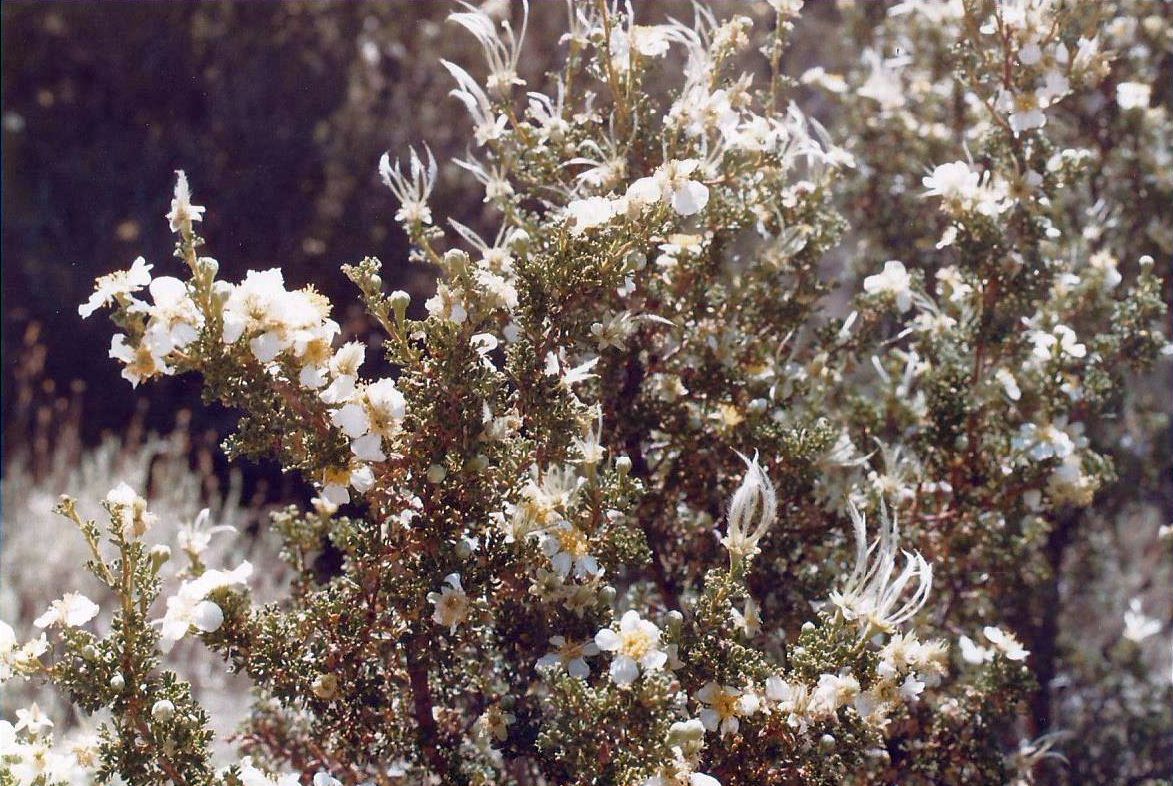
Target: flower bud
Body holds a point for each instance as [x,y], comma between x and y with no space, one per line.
[399,301]
[623,466]
[325,686]
[159,555]
[436,474]
[163,710]
[455,261]
[117,682]
[209,267]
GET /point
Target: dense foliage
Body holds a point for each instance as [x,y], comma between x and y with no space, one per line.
[657,493]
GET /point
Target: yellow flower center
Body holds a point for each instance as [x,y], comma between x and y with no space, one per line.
[573,542]
[725,704]
[635,644]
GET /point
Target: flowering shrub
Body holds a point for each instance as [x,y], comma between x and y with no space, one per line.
[637,503]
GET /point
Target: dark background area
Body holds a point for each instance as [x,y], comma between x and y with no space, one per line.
[258,102]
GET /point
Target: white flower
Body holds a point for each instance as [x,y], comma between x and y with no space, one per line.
[590,444]
[72,610]
[1060,342]
[647,40]
[791,699]
[636,644]
[451,603]
[386,407]
[183,212]
[556,366]
[832,692]
[567,547]
[571,655]
[129,511]
[1138,626]
[754,497]
[251,776]
[1050,440]
[1025,107]
[1009,384]
[671,183]
[117,285]
[502,49]
[494,723]
[188,607]
[724,707]
[871,596]
[487,125]
[883,84]
[911,688]
[953,182]
[679,772]
[195,538]
[1133,95]
[139,362]
[972,652]
[893,280]
[1005,643]
[15,658]
[748,622]
[584,214]
[175,319]
[335,482]
[32,718]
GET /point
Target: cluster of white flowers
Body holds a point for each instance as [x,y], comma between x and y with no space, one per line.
[672,184]
[962,189]
[1003,643]
[1027,25]
[369,414]
[906,666]
[32,757]
[171,321]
